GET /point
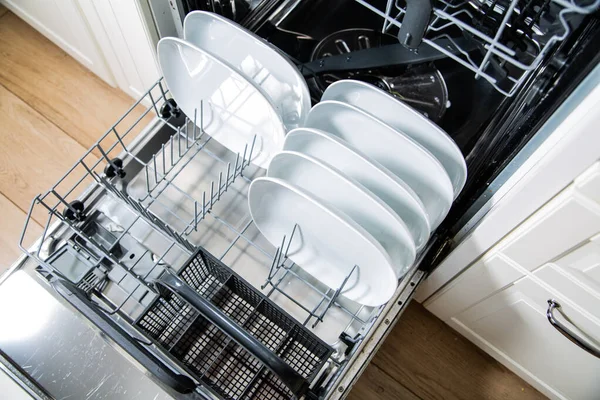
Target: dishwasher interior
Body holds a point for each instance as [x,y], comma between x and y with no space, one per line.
[156,202]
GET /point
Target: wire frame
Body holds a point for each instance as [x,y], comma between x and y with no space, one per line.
[498,54]
[59,208]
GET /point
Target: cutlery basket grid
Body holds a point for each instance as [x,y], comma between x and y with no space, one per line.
[213,357]
[513,36]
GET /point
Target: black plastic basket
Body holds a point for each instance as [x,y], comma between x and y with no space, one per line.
[229,336]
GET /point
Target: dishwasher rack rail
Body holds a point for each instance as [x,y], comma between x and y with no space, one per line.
[130,217]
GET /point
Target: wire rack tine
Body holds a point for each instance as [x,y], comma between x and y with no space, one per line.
[329,297]
[220,184]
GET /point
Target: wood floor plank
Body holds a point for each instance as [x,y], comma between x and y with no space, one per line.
[34,153]
[375,384]
[57,86]
[435,362]
[12,221]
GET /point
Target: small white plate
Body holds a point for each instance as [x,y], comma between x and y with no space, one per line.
[405,119]
[366,171]
[233,109]
[350,197]
[255,59]
[327,244]
[397,152]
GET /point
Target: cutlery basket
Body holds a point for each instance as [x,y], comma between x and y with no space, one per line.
[229,336]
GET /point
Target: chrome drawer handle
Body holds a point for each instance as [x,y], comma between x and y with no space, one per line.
[566,332]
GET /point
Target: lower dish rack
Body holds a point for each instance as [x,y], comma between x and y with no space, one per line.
[129,234]
[206,350]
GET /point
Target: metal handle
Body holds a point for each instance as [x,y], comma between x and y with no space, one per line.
[181,383]
[566,332]
[287,374]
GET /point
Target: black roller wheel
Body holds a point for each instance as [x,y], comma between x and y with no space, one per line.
[170,109]
[114,168]
[75,212]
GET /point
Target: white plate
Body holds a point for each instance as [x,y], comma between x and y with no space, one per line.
[327,244]
[366,171]
[405,119]
[233,109]
[338,191]
[255,59]
[397,152]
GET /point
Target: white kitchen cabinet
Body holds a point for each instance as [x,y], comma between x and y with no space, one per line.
[512,326]
[500,301]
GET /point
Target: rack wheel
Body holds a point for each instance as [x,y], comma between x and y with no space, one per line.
[170,109]
[111,172]
[77,214]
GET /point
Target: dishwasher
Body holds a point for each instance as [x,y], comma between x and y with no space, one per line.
[150,279]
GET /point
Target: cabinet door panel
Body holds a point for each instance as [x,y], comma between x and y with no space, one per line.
[583,264]
[484,277]
[513,323]
[589,183]
[563,223]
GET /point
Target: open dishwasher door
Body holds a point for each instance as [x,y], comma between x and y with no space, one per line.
[135,209]
[150,280]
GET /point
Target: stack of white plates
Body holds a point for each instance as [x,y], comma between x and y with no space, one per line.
[365,182]
[235,84]
[361,178]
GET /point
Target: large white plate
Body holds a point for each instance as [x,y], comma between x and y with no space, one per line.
[233,109]
[397,152]
[366,171]
[253,58]
[405,119]
[327,244]
[338,191]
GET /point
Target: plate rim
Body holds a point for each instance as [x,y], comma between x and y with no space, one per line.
[372,196]
[262,41]
[173,40]
[347,221]
[405,107]
[428,155]
[376,165]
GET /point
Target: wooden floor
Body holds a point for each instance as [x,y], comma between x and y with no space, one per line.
[52,109]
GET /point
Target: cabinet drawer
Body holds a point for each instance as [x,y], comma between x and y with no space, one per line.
[512,326]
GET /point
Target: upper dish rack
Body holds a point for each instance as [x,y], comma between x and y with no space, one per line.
[513,36]
[155,216]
